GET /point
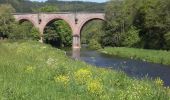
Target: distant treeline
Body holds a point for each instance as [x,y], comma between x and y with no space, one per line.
[65,6]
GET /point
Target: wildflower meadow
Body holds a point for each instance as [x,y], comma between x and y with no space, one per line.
[34,71]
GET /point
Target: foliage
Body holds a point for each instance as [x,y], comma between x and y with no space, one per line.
[58,33]
[47,8]
[40,83]
[91,34]
[65,6]
[6,20]
[114,25]
[155,56]
[167,40]
[150,17]
[9,28]
[92,30]
[24,31]
[131,38]
[94,44]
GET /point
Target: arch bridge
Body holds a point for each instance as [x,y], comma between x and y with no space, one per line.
[76,21]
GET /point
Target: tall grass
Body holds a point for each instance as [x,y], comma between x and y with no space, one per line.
[34,71]
[155,56]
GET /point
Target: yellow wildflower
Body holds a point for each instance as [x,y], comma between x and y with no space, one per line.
[95,87]
[82,76]
[158,81]
[29,69]
[62,79]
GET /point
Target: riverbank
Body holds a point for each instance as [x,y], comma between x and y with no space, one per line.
[34,71]
[154,56]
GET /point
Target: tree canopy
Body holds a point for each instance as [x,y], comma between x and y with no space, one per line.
[65,6]
[149,17]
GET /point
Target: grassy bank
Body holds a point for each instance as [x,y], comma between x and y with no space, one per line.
[155,56]
[34,71]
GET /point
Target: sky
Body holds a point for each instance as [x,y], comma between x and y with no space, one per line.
[76,0]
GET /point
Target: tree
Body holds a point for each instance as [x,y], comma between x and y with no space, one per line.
[153,24]
[131,38]
[6,20]
[92,30]
[58,34]
[24,31]
[150,17]
[114,23]
[47,8]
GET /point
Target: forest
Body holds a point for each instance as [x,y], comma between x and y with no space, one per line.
[64,6]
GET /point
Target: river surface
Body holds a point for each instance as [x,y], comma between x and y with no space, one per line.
[133,68]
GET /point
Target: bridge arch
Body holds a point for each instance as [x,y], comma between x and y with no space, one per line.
[66,31]
[26,19]
[85,22]
[53,19]
[77,37]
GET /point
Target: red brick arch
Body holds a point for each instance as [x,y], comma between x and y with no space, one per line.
[87,21]
[26,19]
[55,19]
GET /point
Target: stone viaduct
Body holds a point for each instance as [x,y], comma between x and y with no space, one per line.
[76,21]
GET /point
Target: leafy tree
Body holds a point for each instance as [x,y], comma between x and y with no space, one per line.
[6,20]
[58,34]
[47,8]
[92,30]
[131,38]
[114,23]
[94,44]
[153,23]
[24,31]
[67,6]
[150,17]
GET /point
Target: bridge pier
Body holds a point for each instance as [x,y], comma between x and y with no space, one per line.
[76,42]
[41,39]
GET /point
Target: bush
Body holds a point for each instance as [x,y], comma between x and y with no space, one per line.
[94,44]
[131,38]
[24,31]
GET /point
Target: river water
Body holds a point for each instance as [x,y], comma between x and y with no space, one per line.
[133,68]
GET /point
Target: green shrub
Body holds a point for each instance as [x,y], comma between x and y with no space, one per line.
[94,44]
[131,38]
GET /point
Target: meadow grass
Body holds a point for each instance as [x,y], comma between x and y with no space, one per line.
[33,71]
[154,56]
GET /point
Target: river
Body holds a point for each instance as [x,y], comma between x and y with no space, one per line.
[133,68]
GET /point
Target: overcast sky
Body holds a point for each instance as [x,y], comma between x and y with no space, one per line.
[76,0]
